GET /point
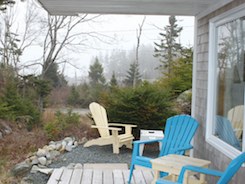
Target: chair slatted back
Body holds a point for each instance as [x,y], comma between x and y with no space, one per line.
[235,115]
[178,133]
[100,118]
[232,168]
[225,132]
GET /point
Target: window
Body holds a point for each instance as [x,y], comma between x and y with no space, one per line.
[226,83]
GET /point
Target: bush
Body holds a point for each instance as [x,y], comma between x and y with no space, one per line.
[5,112]
[14,106]
[147,106]
[52,129]
[62,121]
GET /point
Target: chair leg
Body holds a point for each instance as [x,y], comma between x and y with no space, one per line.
[129,144]
[115,148]
[131,173]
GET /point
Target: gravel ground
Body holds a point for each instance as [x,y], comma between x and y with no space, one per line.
[93,154]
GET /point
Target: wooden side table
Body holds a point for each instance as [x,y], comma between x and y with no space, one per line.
[173,164]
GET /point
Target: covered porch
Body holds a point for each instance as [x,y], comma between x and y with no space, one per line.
[206,145]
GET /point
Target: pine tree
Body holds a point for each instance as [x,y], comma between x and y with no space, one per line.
[132,74]
[113,81]
[74,96]
[56,78]
[168,48]
[96,73]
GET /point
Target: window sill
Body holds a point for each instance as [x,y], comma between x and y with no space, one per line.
[223,147]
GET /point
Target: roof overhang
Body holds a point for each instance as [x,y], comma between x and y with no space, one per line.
[146,7]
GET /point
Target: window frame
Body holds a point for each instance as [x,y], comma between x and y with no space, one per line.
[222,146]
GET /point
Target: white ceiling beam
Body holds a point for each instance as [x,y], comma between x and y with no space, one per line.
[146,7]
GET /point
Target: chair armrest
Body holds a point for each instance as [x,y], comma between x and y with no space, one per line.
[109,128]
[128,127]
[198,169]
[120,124]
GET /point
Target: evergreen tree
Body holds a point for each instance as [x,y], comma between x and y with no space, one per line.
[132,74]
[180,78]
[96,73]
[52,74]
[97,81]
[73,98]
[168,48]
[113,81]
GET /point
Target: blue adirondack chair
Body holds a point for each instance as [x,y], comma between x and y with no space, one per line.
[225,132]
[178,134]
[225,176]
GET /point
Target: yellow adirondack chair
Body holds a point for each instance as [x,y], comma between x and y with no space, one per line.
[235,115]
[117,140]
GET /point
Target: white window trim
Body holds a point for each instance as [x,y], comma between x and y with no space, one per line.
[222,146]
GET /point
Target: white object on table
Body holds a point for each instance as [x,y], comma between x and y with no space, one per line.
[150,135]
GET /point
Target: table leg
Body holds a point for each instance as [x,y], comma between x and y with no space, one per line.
[156,176]
[202,178]
[186,177]
[141,149]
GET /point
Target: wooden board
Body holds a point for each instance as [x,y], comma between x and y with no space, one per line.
[99,176]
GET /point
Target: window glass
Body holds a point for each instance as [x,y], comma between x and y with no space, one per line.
[230,82]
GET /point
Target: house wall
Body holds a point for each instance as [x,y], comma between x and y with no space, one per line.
[201,150]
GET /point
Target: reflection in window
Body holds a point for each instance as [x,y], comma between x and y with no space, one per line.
[230,82]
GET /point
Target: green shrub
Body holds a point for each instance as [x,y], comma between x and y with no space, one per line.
[147,106]
[14,106]
[54,129]
[5,112]
[72,118]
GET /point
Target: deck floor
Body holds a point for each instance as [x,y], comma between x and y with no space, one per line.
[98,176]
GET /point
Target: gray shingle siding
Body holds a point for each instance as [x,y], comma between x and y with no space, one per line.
[201,148]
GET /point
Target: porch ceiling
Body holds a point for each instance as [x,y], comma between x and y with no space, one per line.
[146,7]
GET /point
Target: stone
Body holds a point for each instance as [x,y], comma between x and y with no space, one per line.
[75,143]
[70,143]
[184,102]
[34,161]
[34,169]
[46,171]
[21,169]
[68,148]
[28,161]
[41,152]
[54,154]
[4,127]
[42,166]
[63,144]
[31,154]
[48,155]
[1,135]
[62,149]
[51,147]
[58,146]
[68,139]
[42,160]
[83,140]
[78,166]
[51,143]
[26,180]
[7,131]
